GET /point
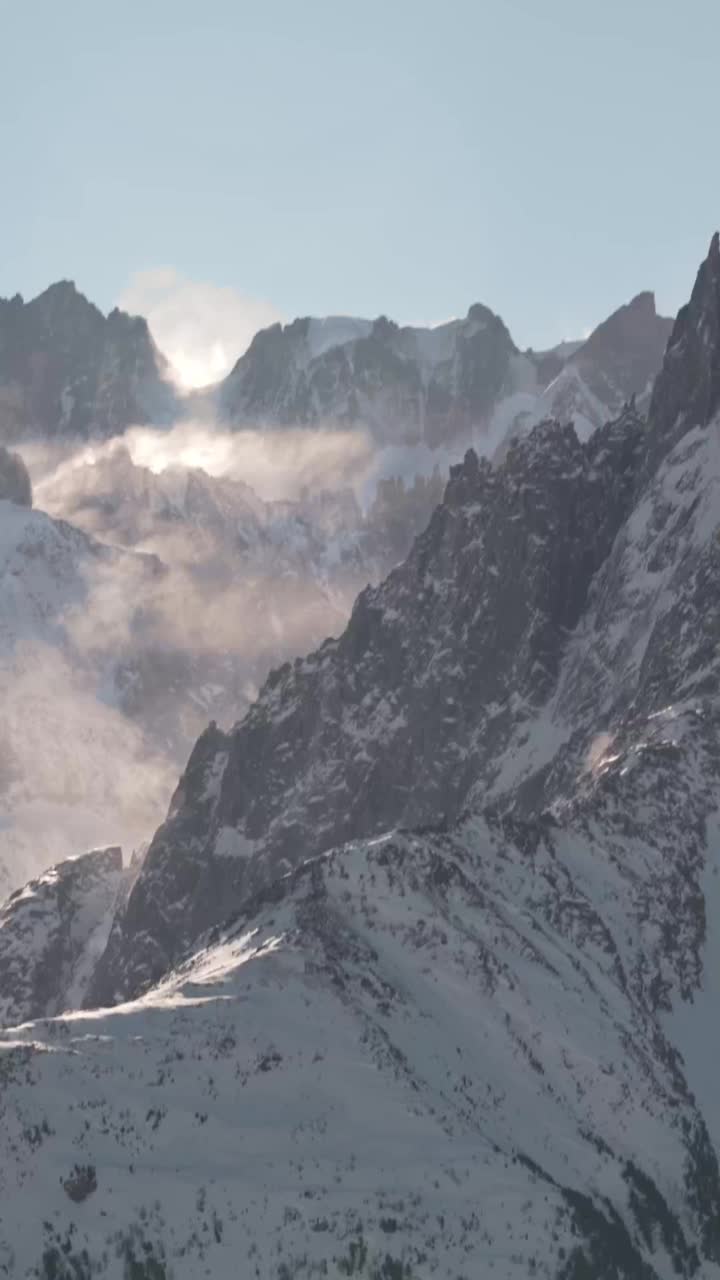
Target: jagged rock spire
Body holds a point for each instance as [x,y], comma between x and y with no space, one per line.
[687,389]
[69,371]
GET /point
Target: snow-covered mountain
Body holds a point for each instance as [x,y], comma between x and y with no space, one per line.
[67,370]
[615,365]
[53,932]
[419,1056]
[441,670]
[459,381]
[419,977]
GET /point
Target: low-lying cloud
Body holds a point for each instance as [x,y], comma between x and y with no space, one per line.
[278,464]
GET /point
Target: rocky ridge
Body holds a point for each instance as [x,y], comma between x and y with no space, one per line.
[438,670]
[68,371]
[419,974]
[433,721]
[462,380]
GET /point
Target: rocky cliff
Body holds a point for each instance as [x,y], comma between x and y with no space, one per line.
[68,371]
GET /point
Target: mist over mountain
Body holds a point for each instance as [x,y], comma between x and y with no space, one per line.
[69,755]
[419,974]
[163,605]
[413,970]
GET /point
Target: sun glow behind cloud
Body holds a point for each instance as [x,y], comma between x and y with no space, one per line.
[201,328]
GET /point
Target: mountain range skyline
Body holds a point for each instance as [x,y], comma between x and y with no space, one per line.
[203,330]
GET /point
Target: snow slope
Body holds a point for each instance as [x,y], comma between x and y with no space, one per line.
[409,1059]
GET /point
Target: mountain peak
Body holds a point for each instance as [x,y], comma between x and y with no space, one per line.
[620,358]
[70,371]
[60,288]
[63,293]
[643,303]
[687,389]
[635,322]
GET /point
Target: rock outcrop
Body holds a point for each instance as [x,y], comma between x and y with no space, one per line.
[67,371]
[461,380]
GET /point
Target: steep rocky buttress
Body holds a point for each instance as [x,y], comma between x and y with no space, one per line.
[68,371]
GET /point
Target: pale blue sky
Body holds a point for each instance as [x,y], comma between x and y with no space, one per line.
[547,157]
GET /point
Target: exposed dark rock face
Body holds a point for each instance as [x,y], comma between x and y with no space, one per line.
[15,482]
[405,384]
[589,383]
[687,391]
[68,371]
[441,385]
[623,355]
